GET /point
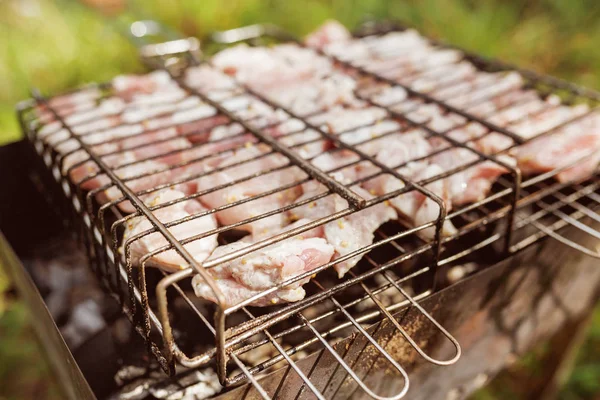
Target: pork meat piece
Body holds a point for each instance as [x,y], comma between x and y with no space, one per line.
[128,86]
[577,141]
[547,120]
[330,32]
[349,233]
[401,152]
[170,260]
[251,187]
[310,81]
[247,276]
[474,183]
[427,210]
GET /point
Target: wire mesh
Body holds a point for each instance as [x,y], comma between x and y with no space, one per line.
[70,134]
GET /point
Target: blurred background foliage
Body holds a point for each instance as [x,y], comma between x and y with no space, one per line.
[58,44]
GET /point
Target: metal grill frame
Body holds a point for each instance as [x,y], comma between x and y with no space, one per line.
[96,241]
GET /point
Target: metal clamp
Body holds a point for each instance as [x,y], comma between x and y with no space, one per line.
[160,47]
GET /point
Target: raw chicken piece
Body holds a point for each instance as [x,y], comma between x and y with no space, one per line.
[247,276]
[209,79]
[314,94]
[103,116]
[337,160]
[480,138]
[121,161]
[310,83]
[563,148]
[499,83]
[415,205]
[181,116]
[349,233]
[366,138]
[72,100]
[381,93]
[186,166]
[67,105]
[442,75]
[403,70]
[170,260]
[394,151]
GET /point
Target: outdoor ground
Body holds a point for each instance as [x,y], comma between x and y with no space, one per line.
[53,45]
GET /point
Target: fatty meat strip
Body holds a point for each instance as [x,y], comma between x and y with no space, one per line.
[376,52]
[170,260]
[253,273]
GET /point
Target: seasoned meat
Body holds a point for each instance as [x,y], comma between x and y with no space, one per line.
[247,276]
[170,260]
[345,234]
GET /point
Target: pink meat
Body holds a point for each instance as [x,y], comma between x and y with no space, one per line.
[330,32]
[474,183]
[170,260]
[247,276]
[349,233]
[250,188]
[566,147]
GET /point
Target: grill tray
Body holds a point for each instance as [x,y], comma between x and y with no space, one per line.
[493,228]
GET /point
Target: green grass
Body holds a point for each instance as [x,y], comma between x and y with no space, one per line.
[24,373]
[55,45]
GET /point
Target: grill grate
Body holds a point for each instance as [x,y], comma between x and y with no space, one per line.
[398,256]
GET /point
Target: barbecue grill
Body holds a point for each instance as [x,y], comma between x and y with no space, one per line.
[363,334]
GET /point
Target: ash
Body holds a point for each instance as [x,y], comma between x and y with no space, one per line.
[60,270]
[188,385]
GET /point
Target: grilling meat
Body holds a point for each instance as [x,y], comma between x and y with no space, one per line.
[346,234]
[242,186]
[165,142]
[170,260]
[247,276]
[576,146]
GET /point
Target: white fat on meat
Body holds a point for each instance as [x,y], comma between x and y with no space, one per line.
[474,183]
[170,260]
[345,234]
[239,191]
[330,32]
[253,273]
[547,120]
[403,149]
[343,120]
[267,67]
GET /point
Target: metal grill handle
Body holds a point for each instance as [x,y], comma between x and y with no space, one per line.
[160,47]
[570,220]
